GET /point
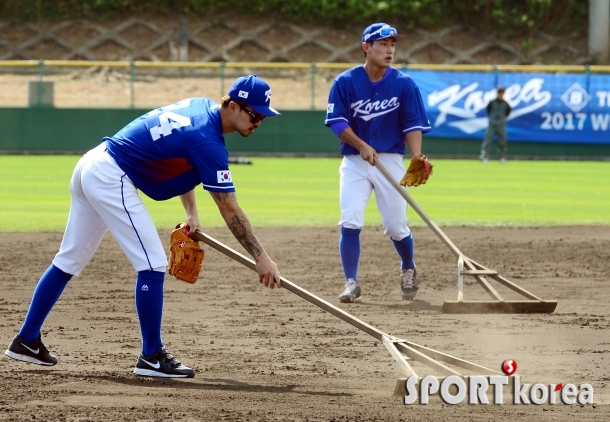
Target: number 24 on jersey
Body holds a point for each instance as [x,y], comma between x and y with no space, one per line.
[169,120]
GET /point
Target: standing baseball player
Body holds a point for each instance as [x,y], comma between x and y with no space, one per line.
[375,110]
[164,153]
[497,113]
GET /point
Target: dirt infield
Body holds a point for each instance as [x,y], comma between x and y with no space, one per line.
[265,354]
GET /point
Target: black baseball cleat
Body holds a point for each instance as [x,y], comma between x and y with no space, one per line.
[32,352]
[162,364]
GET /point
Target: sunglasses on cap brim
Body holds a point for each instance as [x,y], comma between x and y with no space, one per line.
[384,31]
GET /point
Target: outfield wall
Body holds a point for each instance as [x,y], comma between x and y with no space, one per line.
[63,131]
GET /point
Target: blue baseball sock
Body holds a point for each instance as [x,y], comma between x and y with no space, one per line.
[48,290]
[349,249]
[404,248]
[149,305]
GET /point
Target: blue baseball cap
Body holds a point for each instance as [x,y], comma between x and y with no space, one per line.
[380,31]
[255,92]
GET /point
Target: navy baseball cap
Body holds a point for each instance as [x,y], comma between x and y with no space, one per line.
[380,31]
[255,92]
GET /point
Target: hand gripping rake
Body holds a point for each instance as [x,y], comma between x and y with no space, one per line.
[396,346]
[471,268]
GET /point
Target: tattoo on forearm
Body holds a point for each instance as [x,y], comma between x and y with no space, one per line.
[238,222]
[240,227]
[223,196]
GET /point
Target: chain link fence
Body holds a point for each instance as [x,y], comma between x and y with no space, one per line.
[147,85]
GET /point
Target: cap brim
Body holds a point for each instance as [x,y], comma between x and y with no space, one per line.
[265,111]
[397,37]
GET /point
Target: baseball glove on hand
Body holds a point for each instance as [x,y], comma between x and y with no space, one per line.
[418,172]
[185,255]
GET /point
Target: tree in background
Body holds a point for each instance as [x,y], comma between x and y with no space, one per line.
[501,17]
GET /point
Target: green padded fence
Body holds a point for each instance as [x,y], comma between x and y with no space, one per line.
[298,132]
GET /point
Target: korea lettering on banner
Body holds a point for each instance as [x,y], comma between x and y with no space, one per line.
[544,107]
[522,99]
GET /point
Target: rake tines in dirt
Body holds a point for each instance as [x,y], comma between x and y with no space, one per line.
[397,347]
[468,267]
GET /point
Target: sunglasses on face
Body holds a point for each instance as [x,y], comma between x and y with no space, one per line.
[384,31]
[254,118]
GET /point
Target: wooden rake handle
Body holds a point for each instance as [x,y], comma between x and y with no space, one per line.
[426,356]
[403,192]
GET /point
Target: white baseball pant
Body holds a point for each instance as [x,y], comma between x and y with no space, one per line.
[104,198]
[359,179]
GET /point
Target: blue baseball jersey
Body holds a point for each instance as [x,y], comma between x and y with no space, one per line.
[170,150]
[379,113]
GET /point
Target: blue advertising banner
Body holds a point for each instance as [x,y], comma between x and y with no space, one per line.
[546,107]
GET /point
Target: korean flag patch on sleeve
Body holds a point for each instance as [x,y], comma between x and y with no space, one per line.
[224,176]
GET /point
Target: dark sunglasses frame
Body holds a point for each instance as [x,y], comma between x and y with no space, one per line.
[254,118]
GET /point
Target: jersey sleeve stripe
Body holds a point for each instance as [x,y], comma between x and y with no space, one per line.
[218,187]
[422,128]
[327,121]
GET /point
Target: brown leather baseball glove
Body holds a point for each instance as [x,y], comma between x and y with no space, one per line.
[418,172]
[185,255]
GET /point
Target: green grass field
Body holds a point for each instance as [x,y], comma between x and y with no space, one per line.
[34,193]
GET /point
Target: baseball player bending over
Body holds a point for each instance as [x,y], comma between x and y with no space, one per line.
[164,153]
[375,109]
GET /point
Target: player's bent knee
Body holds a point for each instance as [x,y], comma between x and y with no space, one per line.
[350,226]
[396,231]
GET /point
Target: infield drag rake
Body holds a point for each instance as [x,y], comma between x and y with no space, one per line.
[471,268]
[395,346]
